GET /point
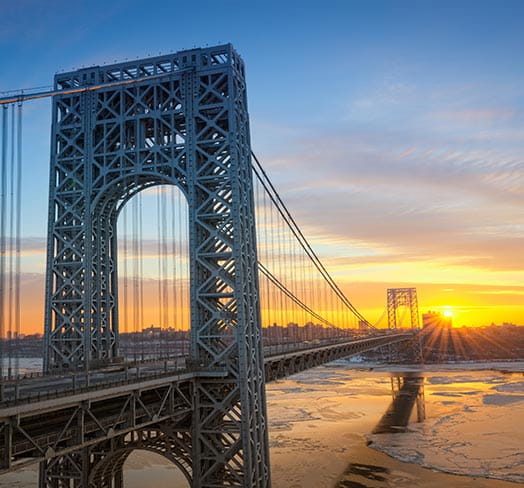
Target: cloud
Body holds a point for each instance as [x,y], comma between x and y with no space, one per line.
[351,159]
[475,116]
[405,231]
[408,193]
[31,246]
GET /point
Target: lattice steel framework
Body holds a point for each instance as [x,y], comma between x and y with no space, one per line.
[101,465]
[179,119]
[402,297]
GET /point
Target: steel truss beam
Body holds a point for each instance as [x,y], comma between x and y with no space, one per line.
[51,429]
[283,365]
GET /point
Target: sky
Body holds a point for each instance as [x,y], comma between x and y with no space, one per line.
[394,130]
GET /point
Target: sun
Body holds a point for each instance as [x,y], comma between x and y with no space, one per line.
[447,312]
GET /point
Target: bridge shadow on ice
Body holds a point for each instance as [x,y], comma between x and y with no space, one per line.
[407,391]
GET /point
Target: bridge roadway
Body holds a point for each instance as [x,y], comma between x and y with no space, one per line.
[43,417]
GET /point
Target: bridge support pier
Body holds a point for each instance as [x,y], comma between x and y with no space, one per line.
[409,351]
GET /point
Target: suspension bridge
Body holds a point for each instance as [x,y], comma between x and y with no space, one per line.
[152,171]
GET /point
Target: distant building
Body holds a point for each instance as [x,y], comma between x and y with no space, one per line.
[152,330]
[508,324]
[435,319]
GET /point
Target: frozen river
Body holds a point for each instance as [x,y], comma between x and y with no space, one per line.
[472,427]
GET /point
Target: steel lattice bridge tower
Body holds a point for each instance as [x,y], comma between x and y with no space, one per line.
[402,297]
[185,123]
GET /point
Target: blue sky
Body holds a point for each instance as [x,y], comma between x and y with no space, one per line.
[402,120]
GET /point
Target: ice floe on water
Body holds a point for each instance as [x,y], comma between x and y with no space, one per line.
[284,416]
[473,427]
[446,380]
[517,387]
[497,399]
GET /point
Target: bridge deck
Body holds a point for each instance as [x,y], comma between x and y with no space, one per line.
[47,416]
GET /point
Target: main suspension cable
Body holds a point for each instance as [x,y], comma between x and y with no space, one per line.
[273,194]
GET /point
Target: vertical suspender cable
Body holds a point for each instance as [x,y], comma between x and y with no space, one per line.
[296,317]
[262,251]
[159,259]
[3,189]
[303,268]
[141,272]
[166,258]
[272,290]
[258,218]
[177,275]
[183,257]
[266,258]
[278,298]
[18,234]
[162,257]
[125,279]
[165,264]
[282,300]
[275,197]
[290,308]
[11,247]
[136,284]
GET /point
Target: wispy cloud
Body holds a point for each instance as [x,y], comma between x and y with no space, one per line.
[475,116]
[441,181]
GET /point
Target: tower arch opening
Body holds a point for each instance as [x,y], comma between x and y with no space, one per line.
[156,456]
[153,274]
[143,467]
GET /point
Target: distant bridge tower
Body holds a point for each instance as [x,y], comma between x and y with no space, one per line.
[178,119]
[402,297]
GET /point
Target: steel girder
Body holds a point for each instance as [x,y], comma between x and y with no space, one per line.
[282,365]
[52,429]
[179,119]
[164,439]
[408,351]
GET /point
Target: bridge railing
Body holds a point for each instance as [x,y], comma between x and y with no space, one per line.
[51,386]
